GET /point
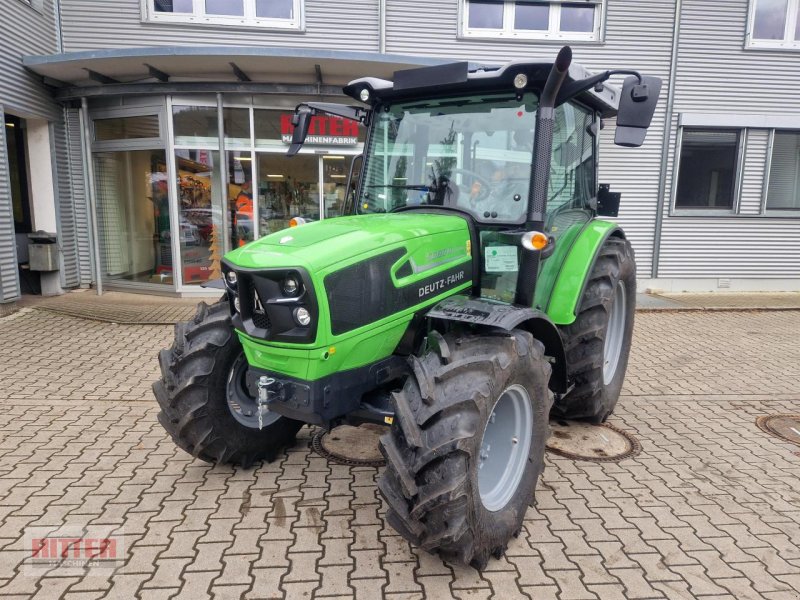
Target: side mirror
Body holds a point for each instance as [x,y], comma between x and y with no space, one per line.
[301,121]
[637,104]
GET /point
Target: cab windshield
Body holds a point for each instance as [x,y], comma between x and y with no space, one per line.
[473,153]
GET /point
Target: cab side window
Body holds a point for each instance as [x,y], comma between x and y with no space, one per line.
[572,171]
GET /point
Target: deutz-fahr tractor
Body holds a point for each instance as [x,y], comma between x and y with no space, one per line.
[469,293]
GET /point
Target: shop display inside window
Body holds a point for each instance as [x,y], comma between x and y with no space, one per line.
[200,215]
[287,189]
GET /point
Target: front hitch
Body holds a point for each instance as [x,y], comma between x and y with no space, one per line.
[265,390]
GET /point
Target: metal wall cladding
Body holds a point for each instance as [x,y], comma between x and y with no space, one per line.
[638,34]
[73,229]
[716,74]
[329,24]
[756,247]
[80,201]
[9,282]
[755,159]
[67,238]
[25,31]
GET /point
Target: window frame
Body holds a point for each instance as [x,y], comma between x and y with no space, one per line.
[129,143]
[553,33]
[765,209]
[788,43]
[741,144]
[198,16]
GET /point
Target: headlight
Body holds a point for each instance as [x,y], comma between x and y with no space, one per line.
[302,316]
[232,279]
[291,287]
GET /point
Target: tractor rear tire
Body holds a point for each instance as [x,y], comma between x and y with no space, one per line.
[199,374]
[599,341]
[437,495]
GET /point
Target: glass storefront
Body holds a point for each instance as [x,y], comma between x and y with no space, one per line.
[196,177]
[133,216]
[200,215]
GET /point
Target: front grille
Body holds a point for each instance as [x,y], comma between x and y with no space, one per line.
[260,317]
[252,304]
[263,310]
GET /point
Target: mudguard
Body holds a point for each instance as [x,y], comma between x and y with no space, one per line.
[478,311]
[562,306]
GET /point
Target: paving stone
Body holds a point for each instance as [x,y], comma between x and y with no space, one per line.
[708,509]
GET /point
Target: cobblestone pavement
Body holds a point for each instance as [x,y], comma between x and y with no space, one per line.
[709,509]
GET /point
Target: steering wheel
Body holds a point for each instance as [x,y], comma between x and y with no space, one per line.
[480,189]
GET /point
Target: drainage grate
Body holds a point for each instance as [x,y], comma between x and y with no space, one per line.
[786,427]
[351,446]
[595,443]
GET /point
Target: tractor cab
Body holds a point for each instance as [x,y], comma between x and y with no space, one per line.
[447,138]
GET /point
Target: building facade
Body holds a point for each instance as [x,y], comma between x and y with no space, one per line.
[149,135]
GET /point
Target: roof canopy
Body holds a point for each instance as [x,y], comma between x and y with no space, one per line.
[82,73]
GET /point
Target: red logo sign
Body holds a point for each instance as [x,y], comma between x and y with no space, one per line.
[323,131]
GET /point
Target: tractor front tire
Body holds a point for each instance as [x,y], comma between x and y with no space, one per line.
[202,386]
[467,444]
[599,341]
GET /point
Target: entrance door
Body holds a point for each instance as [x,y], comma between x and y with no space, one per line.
[133,216]
[20,197]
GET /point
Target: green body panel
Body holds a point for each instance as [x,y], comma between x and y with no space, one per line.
[433,243]
[317,246]
[562,302]
[565,234]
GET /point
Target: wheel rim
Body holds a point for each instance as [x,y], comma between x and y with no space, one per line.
[615,333]
[505,445]
[242,405]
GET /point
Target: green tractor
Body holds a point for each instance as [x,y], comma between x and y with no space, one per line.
[469,294]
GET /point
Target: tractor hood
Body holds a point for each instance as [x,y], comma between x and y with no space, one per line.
[316,246]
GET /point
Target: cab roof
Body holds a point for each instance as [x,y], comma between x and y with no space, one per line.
[457,79]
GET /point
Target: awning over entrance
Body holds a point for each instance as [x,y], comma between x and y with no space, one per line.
[105,72]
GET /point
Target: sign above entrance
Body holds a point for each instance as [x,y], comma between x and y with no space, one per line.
[324,131]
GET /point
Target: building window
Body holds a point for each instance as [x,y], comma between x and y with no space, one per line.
[284,14]
[784,174]
[707,169]
[577,21]
[774,24]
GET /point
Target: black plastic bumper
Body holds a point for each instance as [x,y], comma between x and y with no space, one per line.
[320,402]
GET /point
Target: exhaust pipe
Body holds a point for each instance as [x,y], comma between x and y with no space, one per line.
[540,175]
[543,140]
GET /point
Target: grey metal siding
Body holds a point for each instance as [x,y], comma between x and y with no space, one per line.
[9,282]
[73,226]
[715,74]
[638,35]
[758,248]
[80,201]
[755,158]
[66,214]
[99,24]
[25,31]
